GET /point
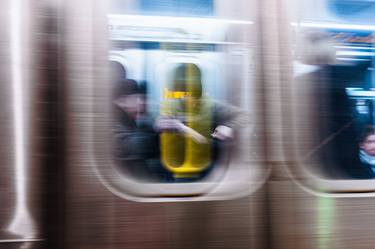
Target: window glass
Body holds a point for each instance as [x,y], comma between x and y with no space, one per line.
[177,7]
[333,71]
[181,92]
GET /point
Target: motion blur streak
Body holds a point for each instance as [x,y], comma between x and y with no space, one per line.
[343,26]
[326,207]
[22,222]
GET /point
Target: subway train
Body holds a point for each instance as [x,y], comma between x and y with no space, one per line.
[187,124]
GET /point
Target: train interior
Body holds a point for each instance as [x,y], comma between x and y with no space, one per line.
[333,69]
[173,58]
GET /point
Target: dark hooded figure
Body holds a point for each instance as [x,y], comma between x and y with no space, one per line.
[136,143]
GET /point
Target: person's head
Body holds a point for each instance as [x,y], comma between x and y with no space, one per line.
[316,48]
[188,80]
[129,97]
[367,140]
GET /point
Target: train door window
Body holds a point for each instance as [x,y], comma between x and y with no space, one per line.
[181,91]
[334,97]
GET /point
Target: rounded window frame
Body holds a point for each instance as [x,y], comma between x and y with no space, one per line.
[301,174]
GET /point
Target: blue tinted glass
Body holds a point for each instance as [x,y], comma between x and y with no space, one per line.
[177,7]
[342,92]
[353,9]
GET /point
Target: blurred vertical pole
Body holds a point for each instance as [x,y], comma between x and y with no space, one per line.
[7,158]
[20,189]
[267,74]
[274,63]
[22,222]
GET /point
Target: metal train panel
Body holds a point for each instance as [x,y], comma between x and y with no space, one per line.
[22,101]
[319,197]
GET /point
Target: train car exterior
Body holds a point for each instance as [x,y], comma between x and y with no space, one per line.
[294,77]
[321,198]
[23,103]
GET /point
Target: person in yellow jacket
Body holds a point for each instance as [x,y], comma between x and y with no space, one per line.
[191,124]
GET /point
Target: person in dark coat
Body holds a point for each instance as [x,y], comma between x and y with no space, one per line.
[136,142]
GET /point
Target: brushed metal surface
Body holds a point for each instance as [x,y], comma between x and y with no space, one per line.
[20,189]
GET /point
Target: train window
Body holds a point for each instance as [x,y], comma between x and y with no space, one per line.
[333,78]
[181,7]
[182,100]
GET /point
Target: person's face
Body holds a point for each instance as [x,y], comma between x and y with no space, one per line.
[189,102]
[132,104]
[369,145]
